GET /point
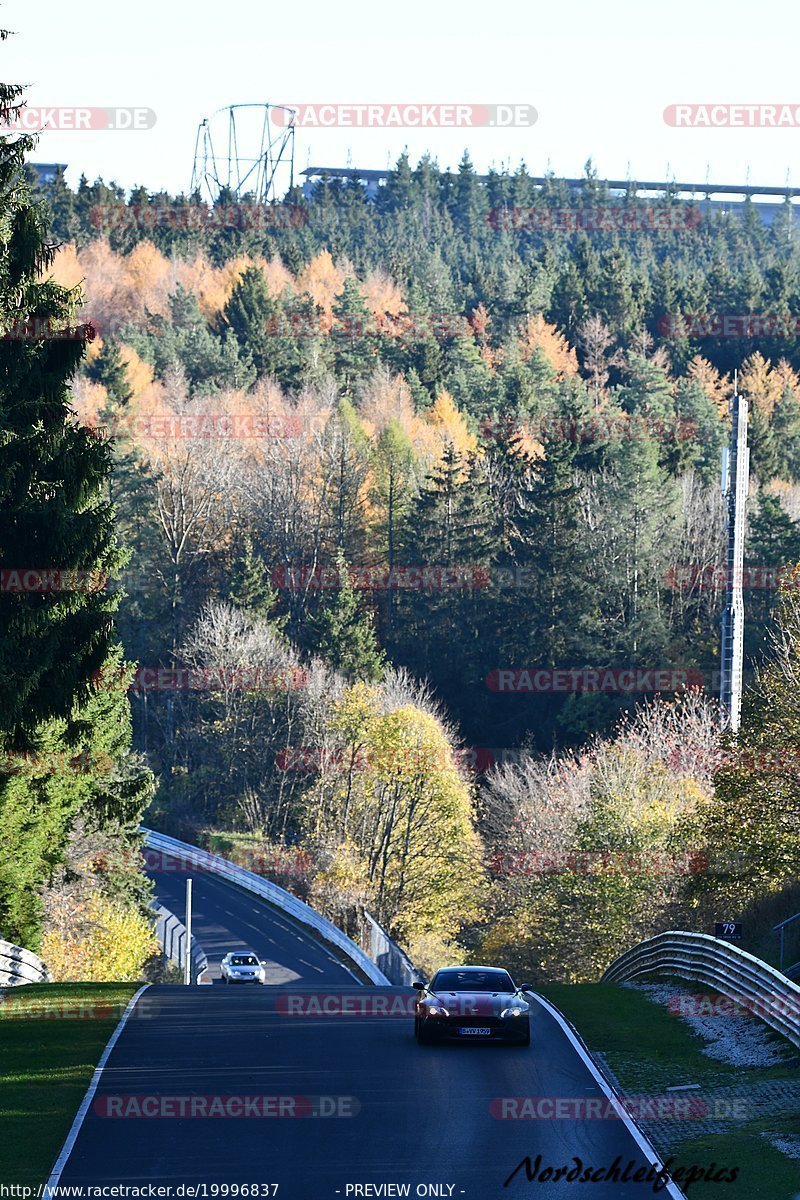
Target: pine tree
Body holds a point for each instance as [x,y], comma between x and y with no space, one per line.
[445,627]
[250,587]
[773,541]
[109,370]
[52,478]
[392,491]
[251,313]
[342,634]
[58,636]
[763,449]
[555,619]
[353,335]
[786,431]
[349,458]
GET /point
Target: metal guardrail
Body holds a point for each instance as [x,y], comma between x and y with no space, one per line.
[731,972]
[795,968]
[202,860]
[20,966]
[394,962]
[171,934]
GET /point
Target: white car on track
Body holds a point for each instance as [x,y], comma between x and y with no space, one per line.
[242,966]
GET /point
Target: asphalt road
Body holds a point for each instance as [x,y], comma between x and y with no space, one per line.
[226,918]
[403,1113]
[317,1085]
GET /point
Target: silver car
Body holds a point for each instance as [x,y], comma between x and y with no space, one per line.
[242,966]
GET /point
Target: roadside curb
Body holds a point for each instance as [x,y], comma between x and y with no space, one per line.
[636,1131]
[80,1116]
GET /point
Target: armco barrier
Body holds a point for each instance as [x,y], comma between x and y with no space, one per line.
[394,962]
[724,968]
[272,894]
[20,966]
[171,935]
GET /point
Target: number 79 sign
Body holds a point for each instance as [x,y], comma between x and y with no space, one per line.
[728,931]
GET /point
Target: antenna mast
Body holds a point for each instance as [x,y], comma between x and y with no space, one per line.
[735,479]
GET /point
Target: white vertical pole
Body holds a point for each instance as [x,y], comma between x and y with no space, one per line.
[187,967]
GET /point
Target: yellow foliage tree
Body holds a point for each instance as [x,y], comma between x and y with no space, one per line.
[715,385]
[97,941]
[449,424]
[762,386]
[278,276]
[381,293]
[88,400]
[539,334]
[66,269]
[140,373]
[387,398]
[786,378]
[398,796]
[323,280]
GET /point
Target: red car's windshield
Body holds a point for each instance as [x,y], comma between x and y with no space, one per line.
[473,980]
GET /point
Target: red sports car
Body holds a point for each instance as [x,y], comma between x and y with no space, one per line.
[472,1004]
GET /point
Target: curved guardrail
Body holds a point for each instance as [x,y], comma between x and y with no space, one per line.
[20,966]
[171,934]
[390,958]
[202,860]
[733,973]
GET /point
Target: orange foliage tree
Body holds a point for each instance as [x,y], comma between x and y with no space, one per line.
[539,334]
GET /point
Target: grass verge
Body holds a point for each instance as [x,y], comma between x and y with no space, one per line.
[650,1050]
[51,1038]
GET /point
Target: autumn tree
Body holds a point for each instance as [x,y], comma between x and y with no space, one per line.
[396,794]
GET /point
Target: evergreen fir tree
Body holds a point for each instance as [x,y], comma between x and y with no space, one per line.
[342,634]
[353,335]
[52,479]
[57,637]
[109,370]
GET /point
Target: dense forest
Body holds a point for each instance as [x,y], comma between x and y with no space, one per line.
[421,499]
[439,388]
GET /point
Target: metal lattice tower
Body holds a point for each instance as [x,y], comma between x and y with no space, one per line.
[735,479]
[245,150]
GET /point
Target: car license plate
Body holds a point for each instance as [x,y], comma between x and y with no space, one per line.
[475,1031]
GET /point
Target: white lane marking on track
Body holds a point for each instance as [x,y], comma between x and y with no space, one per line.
[638,1135]
[313,968]
[75,1129]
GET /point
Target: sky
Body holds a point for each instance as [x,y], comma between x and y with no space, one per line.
[599,76]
